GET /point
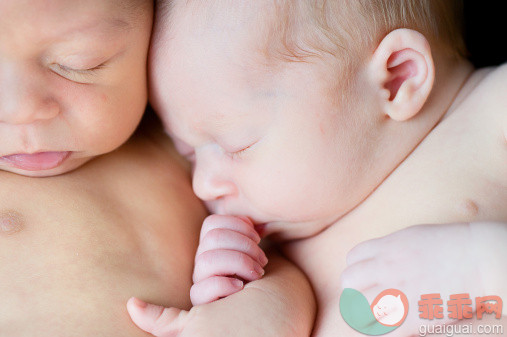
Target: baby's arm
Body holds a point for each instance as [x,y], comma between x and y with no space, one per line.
[279,304]
[490,240]
[446,259]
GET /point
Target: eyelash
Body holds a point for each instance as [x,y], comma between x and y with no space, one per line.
[238,154]
[190,156]
[78,72]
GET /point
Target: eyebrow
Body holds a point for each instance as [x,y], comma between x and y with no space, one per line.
[112,23]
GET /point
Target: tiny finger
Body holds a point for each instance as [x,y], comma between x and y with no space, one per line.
[229,222]
[220,238]
[214,288]
[226,263]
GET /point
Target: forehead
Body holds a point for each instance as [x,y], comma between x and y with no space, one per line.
[210,73]
[231,28]
[43,19]
[203,65]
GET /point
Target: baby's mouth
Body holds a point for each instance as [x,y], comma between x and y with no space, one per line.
[36,161]
[260,229]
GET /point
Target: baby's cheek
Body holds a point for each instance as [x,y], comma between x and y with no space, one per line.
[285,192]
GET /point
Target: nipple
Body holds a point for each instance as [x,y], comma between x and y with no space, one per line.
[469,209]
[10,222]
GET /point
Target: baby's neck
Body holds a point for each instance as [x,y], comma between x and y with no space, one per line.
[453,81]
[400,140]
[450,80]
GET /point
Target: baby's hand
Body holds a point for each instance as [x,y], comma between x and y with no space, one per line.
[216,319]
[228,254]
[281,304]
[424,259]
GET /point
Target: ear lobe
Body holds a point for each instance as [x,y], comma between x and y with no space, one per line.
[404,73]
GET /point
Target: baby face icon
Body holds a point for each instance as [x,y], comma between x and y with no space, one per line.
[390,307]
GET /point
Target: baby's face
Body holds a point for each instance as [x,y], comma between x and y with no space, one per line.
[274,145]
[72,80]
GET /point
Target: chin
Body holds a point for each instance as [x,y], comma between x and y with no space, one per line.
[286,231]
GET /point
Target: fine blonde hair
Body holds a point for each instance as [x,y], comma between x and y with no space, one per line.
[355,27]
[297,30]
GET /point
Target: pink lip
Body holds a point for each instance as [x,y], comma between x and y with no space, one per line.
[261,229]
[36,161]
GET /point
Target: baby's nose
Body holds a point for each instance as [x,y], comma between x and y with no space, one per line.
[24,99]
[209,186]
[210,180]
[27,111]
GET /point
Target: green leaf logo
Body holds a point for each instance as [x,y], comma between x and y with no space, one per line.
[387,311]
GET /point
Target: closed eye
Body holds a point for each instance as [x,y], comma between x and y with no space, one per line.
[239,153]
[100,66]
[76,75]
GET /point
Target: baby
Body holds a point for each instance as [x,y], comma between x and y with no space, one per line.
[75,246]
[70,89]
[329,124]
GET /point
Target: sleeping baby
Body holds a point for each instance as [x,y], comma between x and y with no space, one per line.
[354,133]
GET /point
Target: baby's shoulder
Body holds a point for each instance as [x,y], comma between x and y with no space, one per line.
[498,87]
[487,99]
[498,72]
[492,91]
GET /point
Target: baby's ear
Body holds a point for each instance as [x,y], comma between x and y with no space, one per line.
[402,69]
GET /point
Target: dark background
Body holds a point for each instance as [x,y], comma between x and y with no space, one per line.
[486,32]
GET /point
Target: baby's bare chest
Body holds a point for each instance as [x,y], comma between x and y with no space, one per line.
[60,256]
[449,178]
[71,255]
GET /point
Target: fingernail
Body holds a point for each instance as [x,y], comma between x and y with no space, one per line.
[139,303]
[259,270]
[256,237]
[263,259]
[237,283]
[245,219]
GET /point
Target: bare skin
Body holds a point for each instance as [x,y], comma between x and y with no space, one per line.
[463,135]
[75,247]
[419,139]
